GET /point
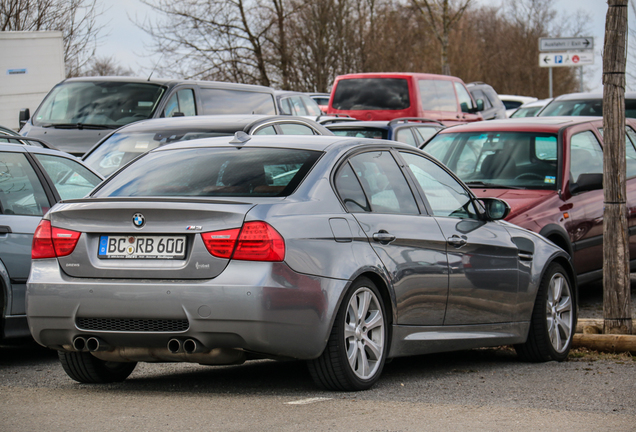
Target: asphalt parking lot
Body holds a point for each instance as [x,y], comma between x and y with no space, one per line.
[477,390]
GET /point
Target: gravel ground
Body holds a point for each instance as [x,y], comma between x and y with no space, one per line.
[591,299]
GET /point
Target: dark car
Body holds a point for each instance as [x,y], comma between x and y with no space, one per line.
[413,131]
[78,112]
[487,100]
[339,251]
[550,172]
[128,142]
[584,104]
[32,180]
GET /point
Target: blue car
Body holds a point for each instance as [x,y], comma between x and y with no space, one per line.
[413,131]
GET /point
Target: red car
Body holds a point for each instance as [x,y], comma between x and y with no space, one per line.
[391,95]
[550,171]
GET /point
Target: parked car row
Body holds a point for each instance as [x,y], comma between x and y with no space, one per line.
[212,242]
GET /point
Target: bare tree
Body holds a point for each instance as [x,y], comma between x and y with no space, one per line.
[76,19]
[105,66]
[442,16]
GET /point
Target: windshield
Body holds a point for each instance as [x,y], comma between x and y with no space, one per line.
[499,159]
[254,172]
[526,112]
[98,103]
[122,147]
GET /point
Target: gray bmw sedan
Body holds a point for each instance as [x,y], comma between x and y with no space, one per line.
[343,252]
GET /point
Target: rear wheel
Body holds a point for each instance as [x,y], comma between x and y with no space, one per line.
[86,368]
[553,319]
[358,343]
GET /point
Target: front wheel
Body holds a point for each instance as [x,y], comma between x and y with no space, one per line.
[358,343]
[85,368]
[553,319]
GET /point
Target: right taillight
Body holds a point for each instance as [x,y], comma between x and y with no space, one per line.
[257,241]
[53,242]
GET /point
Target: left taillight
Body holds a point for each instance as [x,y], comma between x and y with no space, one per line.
[52,242]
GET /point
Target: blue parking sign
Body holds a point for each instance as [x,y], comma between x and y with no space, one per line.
[558,59]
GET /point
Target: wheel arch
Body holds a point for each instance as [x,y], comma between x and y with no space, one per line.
[559,236]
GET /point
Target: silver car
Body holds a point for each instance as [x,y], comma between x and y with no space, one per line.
[343,252]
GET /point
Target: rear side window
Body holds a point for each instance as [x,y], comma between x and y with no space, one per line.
[71,179]
[221,101]
[21,192]
[372,94]
[437,95]
[213,172]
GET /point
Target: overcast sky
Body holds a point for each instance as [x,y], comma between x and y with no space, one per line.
[125,42]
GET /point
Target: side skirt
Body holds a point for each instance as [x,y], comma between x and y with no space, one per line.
[414,340]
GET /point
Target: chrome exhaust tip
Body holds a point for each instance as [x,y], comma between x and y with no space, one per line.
[174,346]
[192,346]
[94,344]
[79,343]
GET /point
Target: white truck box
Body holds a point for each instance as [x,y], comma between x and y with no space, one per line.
[31,63]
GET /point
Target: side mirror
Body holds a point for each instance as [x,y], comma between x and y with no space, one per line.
[496,209]
[480,104]
[464,107]
[587,182]
[25,115]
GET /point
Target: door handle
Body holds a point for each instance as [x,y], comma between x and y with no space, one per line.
[5,229]
[457,241]
[383,237]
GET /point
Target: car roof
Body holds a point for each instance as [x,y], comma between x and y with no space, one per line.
[522,124]
[167,82]
[398,75]
[305,142]
[384,124]
[590,95]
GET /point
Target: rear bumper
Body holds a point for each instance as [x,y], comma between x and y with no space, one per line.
[265,308]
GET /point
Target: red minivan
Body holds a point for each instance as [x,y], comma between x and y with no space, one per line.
[550,171]
[391,95]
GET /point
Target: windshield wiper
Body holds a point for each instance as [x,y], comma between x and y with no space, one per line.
[79,126]
[479,183]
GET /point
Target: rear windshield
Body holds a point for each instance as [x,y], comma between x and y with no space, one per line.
[372,94]
[120,148]
[221,101]
[508,160]
[99,103]
[213,172]
[362,132]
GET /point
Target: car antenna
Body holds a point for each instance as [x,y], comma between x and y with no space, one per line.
[156,64]
[240,138]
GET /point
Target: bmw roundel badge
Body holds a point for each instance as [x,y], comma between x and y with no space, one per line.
[139,220]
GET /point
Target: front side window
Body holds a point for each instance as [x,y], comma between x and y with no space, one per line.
[98,103]
[372,94]
[586,156]
[437,95]
[499,159]
[181,104]
[71,179]
[384,183]
[210,172]
[222,101]
[465,102]
[444,194]
[21,192]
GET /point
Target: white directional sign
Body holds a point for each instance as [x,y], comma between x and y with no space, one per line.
[565,44]
[565,59]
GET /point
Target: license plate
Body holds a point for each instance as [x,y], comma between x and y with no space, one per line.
[142,247]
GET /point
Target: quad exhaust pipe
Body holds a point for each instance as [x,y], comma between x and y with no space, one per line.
[91,344]
[188,346]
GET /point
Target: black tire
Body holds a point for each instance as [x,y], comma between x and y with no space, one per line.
[332,370]
[85,368]
[540,346]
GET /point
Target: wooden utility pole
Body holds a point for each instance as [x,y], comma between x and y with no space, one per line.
[616,281]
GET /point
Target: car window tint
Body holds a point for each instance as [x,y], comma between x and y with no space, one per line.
[269,130]
[213,172]
[21,192]
[630,152]
[586,156]
[437,95]
[295,129]
[445,195]
[405,135]
[372,94]
[630,108]
[384,183]
[70,178]
[510,104]
[465,102]
[350,191]
[362,133]
[222,101]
